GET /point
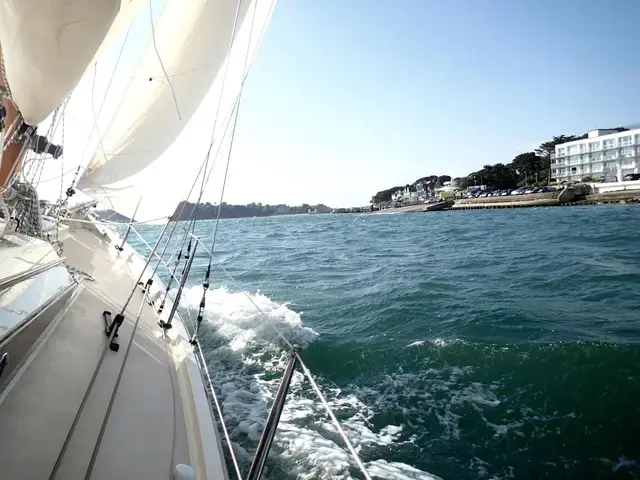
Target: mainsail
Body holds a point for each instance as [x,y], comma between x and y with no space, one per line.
[184,60]
[47,46]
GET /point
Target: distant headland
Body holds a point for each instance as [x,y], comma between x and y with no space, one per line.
[207,211]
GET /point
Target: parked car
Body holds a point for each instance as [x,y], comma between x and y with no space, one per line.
[519,191]
[631,177]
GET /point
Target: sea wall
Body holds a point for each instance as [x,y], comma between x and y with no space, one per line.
[508,199]
[611,187]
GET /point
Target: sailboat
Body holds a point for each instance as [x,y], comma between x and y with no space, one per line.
[99,375]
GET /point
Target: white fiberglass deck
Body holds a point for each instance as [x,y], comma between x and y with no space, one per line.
[143,413]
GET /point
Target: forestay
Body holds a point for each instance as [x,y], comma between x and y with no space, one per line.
[166,111]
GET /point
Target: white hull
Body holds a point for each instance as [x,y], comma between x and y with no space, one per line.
[68,414]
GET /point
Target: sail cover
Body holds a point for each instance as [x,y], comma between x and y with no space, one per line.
[189,45]
[47,46]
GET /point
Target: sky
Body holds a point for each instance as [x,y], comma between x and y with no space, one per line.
[346,98]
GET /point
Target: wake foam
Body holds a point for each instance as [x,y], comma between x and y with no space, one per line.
[246,360]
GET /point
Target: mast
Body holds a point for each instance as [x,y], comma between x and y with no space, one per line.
[12,154]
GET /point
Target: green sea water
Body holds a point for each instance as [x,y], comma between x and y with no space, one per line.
[476,344]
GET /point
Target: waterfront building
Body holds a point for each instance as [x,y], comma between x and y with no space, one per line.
[607,154]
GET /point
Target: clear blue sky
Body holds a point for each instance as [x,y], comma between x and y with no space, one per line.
[349,97]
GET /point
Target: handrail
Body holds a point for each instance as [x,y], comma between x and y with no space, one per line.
[16,278]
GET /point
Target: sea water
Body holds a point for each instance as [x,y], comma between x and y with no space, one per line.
[462,345]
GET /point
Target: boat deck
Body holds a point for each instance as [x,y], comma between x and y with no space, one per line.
[78,410]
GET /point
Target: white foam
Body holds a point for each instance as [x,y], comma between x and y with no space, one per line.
[247,359]
[397,471]
[438,342]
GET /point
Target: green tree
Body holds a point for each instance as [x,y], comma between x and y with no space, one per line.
[499,176]
[462,182]
[526,163]
[547,148]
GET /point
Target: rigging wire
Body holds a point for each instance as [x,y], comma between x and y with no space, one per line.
[304,367]
[62,174]
[244,79]
[107,222]
[62,117]
[219,410]
[332,415]
[233,129]
[191,226]
[246,70]
[95,122]
[207,172]
[104,99]
[224,82]
[305,370]
[166,75]
[38,158]
[205,178]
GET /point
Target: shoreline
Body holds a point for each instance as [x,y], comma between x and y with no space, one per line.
[528,201]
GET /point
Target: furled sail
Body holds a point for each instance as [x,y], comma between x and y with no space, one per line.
[47,46]
[189,45]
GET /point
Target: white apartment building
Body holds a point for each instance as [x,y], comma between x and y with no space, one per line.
[611,154]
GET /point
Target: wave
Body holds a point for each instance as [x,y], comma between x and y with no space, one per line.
[246,359]
[470,347]
[447,395]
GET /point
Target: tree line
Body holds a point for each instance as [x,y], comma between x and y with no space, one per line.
[207,211]
[529,168]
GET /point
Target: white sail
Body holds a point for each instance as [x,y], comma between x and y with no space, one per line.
[47,46]
[192,42]
[167,179]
